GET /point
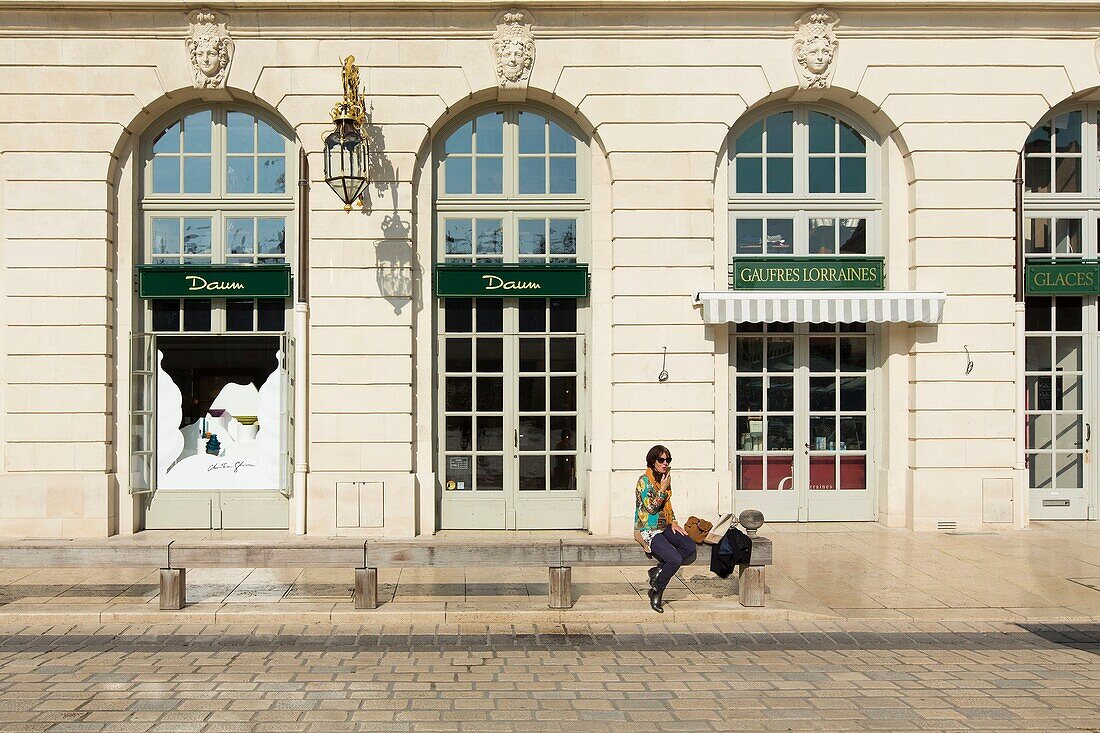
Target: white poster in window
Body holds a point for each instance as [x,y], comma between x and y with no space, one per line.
[234,446]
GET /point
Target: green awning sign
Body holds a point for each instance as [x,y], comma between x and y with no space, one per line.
[807,273]
[214,281]
[1079,277]
[511,281]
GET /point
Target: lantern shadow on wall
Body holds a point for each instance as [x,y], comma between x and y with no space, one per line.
[393,251]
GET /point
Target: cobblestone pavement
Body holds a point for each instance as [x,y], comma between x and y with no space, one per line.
[888,676]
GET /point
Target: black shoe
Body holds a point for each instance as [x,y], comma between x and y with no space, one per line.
[653,573]
[655,601]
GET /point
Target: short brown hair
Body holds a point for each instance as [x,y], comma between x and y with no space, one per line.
[656,452]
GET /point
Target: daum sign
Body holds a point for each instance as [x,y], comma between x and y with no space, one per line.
[807,273]
[214,281]
[511,281]
[1062,278]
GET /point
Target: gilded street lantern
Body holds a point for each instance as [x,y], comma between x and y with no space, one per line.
[346,146]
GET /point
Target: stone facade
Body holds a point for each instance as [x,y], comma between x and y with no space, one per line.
[951,91]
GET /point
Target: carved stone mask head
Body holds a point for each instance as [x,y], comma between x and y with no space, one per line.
[209,49]
[815,46]
[513,50]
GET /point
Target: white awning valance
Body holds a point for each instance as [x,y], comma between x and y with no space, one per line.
[820,306]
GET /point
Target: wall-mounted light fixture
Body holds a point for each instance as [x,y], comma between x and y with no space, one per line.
[346,146]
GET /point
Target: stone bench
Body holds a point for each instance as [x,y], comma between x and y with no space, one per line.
[365,556]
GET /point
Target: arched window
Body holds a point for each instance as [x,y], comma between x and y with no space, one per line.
[511,191]
[210,384]
[803,181]
[1061,211]
[214,192]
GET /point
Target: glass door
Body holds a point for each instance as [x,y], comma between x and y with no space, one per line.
[1058,422]
[800,421]
[511,435]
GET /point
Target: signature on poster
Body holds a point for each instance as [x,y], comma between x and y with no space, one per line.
[234,467]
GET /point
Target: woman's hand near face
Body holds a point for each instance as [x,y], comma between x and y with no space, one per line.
[666,480]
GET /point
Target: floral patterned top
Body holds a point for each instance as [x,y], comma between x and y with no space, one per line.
[654,507]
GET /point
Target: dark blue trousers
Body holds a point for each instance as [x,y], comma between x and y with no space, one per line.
[672,550]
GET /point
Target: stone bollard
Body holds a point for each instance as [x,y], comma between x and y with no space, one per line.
[751,520]
[750,578]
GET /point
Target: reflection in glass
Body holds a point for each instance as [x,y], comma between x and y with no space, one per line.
[563,393]
[780,129]
[490,174]
[823,175]
[749,141]
[532,394]
[822,394]
[781,394]
[490,433]
[460,431]
[532,432]
[490,355]
[461,140]
[458,175]
[853,433]
[532,355]
[563,355]
[780,355]
[750,236]
[853,236]
[532,236]
[750,394]
[822,354]
[532,175]
[196,175]
[853,175]
[780,433]
[822,236]
[458,393]
[780,175]
[490,473]
[750,354]
[532,473]
[822,133]
[563,432]
[490,133]
[853,394]
[490,394]
[780,236]
[750,175]
[457,315]
[563,475]
[853,354]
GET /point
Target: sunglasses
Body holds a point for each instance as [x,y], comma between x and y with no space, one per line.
[664,460]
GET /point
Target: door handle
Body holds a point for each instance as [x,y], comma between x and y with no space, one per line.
[807,449]
[1088,432]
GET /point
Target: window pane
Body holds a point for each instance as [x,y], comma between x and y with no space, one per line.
[561,141]
[166,174]
[1067,314]
[780,138]
[490,236]
[1067,175]
[750,394]
[240,174]
[490,175]
[460,433]
[822,395]
[532,432]
[490,355]
[853,354]
[750,354]
[239,236]
[459,356]
[166,315]
[196,132]
[780,236]
[749,141]
[532,236]
[196,236]
[168,141]
[272,175]
[532,175]
[853,236]
[563,315]
[1067,133]
[822,236]
[490,433]
[532,133]
[563,355]
[1037,174]
[563,236]
[196,175]
[458,394]
[780,394]
[238,315]
[563,474]
[458,239]
[780,175]
[1037,235]
[532,394]
[239,133]
[780,355]
[532,315]
[850,140]
[853,394]
[532,473]
[1037,316]
[490,394]
[490,133]
[822,354]
[853,471]
[458,315]
[490,315]
[853,433]
[780,433]
[1038,142]
[461,140]
[822,133]
[563,393]
[823,175]
[459,474]
[458,173]
[853,175]
[271,314]
[196,315]
[563,432]
[532,355]
[750,236]
[490,473]
[270,141]
[750,175]
[166,236]
[1068,236]
[272,236]
[563,175]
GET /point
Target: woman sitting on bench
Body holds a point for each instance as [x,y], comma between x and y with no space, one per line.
[655,526]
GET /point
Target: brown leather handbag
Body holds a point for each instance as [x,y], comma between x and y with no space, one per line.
[697,529]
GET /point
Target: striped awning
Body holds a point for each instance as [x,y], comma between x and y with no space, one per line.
[820,306]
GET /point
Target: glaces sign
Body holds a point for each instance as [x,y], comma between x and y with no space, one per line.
[1079,277]
[214,281]
[807,273]
[511,281]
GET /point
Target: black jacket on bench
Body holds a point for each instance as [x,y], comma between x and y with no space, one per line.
[735,548]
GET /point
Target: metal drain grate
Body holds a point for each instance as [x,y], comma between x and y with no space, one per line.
[947,525]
